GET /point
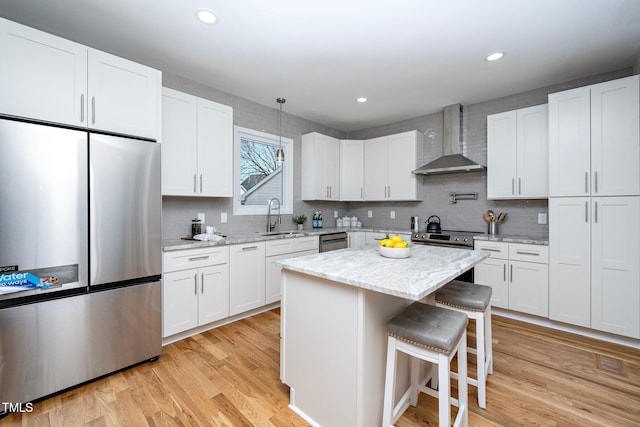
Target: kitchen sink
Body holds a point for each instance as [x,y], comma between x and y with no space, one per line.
[282,233]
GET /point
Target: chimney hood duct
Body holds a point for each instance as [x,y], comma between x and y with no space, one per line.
[452,160]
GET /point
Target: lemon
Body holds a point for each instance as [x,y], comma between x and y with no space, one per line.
[400,245]
[396,239]
[384,242]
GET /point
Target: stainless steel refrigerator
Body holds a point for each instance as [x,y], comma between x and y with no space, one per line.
[80,256]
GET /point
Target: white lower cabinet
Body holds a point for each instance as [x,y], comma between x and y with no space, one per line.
[277,250]
[357,239]
[195,288]
[246,277]
[518,274]
[595,263]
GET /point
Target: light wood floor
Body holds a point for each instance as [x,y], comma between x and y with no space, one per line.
[229,377]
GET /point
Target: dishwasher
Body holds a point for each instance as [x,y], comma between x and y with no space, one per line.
[333,241]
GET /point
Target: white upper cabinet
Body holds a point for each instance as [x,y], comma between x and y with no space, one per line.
[388,162]
[351,170]
[179,143]
[594,140]
[376,152]
[48,78]
[215,148]
[124,96]
[615,137]
[517,154]
[197,146]
[320,167]
[42,76]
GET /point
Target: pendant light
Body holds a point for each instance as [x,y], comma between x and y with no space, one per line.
[280,152]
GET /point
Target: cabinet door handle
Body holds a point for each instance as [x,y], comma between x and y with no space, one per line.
[527,253]
[202,283]
[490,249]
[196,258]
[249,248]
[504,272]
[519,186]
[195,283]
[93,110]
[586,211]
[195,180]
[361,193]
[586,182]
[511,272]
[201,183]
[595,181]
[82,108]
[513,186]
[389,191]
[595,212]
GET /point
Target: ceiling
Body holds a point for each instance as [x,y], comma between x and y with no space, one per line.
[408,57]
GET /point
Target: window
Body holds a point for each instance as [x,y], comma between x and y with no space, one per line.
[257,176]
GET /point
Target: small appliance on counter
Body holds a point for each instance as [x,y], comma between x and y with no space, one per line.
[433,224]
[415,223]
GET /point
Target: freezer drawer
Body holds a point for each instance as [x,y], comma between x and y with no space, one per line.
[53,345]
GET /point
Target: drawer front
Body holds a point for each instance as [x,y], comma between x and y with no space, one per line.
[529,253]
[195,258]
[493,249]
[307,243]
[290,245]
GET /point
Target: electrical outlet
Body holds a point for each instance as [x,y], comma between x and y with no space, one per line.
[392,214]
[542,218]
[201,218]
[335,214]
[223,217]
[369,214]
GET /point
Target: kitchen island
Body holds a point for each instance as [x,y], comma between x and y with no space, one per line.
[335,308]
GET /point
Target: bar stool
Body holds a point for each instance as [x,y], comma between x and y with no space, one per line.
[474,301]
[433,334]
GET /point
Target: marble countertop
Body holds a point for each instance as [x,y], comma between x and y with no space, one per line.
[239,238]
[506,238]
[426,270]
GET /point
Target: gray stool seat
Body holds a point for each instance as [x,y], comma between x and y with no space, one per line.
[464,295]
[428,326]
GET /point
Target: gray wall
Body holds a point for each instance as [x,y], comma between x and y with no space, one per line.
[432,190]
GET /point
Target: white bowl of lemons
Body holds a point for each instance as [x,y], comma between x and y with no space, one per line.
[394,247]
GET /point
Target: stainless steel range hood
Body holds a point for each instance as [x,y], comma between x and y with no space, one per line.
[452,160]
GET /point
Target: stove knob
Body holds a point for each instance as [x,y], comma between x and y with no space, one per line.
[457,239]
[465,240]
[424,236]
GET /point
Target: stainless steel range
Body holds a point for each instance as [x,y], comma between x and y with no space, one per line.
[450,239]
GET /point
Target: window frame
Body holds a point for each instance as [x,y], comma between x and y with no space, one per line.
[287,171]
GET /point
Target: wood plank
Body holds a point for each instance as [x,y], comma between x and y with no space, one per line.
[229,376]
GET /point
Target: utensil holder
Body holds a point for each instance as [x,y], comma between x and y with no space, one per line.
[493,228]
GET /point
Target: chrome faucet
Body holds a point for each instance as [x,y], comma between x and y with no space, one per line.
[271,226]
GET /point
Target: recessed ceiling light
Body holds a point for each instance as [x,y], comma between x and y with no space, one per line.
[362,99]
[494,56]
[206,16]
